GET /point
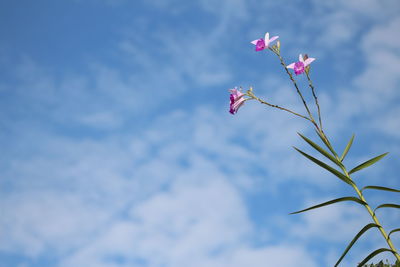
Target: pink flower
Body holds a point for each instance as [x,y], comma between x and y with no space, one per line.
[300,66]
[261,44]
[237,100]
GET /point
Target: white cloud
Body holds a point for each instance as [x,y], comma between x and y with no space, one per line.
[39,221]
[123,171]
[102,119]
[371,8]
[188,225]
[272,256]
[340,28]
[173,190]
[373,94]
[343,219]
[381,47]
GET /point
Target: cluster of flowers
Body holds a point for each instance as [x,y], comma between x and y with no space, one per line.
[237,97]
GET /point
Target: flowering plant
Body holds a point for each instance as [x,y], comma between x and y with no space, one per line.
[338,168]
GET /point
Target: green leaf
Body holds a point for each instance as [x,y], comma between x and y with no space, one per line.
[326,142]
[347,148]
[327,167]
[321,150]
[366,228]
[368,163]
[332,202]
[373,254]
[393,231]
[380,188]
[388,205]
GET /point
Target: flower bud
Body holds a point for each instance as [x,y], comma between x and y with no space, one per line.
[307,68]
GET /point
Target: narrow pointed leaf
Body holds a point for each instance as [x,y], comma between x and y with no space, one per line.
[326,166]
[366,228]
[380,188]
[332,202]
[373,254]
[328,145]
[346,150]
[368,163]
[388,205]
[321,150]
[394,231]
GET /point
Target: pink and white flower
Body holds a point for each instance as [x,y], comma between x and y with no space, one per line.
[237,100]
[300,66]
[262,44]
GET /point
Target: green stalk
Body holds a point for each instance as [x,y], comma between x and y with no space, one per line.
[251,94]
[310,84]
[276,52]
[370,211]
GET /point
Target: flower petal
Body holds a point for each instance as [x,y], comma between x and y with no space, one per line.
[236,93]
[291,66]
[236,100]
[301,58]
[260,45]
[266,37]
[308,61]
[254,42]
[273,39]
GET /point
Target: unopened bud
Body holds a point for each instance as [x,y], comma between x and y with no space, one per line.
[307,69]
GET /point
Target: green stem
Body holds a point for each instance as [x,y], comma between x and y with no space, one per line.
[370,211]
[321,132]
[250,94]
[310,84]
[297,88]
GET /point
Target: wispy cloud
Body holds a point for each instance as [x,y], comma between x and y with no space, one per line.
[136,161]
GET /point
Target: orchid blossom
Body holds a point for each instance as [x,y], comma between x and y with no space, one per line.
[300,66]
[262,44]
[237,100]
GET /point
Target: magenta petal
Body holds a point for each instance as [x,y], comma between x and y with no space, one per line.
[235,107]
[236,100]
[260,45]
[299,68]
[235,92]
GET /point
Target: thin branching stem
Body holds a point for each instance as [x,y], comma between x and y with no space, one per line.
[325,138]
[310,84]
[252,96]
[296,86]
[310,118]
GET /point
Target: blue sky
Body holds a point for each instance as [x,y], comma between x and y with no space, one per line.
[118,148]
